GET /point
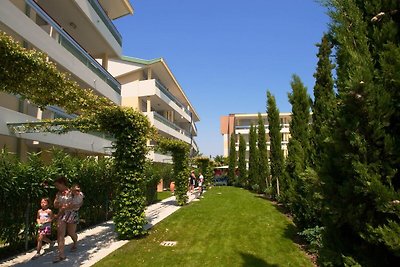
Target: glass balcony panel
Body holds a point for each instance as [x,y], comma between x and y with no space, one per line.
[165,90]
[106,20]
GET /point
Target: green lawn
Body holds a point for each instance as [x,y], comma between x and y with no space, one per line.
[163,195]
[229,227]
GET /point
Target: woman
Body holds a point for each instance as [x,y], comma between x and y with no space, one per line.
[63,202]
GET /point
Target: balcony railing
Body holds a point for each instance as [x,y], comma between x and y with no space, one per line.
[172,97]
[170,124]
[75,49]
[107,21]
[194,127]
[195,145]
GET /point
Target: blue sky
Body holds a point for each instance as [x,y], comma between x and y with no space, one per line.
[227,53]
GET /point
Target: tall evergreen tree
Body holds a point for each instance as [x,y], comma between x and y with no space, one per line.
[299,146]
[324,104]
[263,176]
[253,158]
[277,158]
[362,177]
[232,159]
[242,181]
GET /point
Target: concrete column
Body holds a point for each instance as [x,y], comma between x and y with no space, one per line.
[39,114]
[148,109]
[104,61]
[149,74]
[226,145]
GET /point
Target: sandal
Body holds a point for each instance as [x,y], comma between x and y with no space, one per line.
[58,259]
[74,248]
[37,255]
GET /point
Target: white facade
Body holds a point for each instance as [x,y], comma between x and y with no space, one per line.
[239,124]
[150,87]
[73,34]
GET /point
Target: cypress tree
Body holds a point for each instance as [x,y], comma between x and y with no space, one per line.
[362,177]
[263,154]
[298,148]
[324,103]
[242,181]
[232,159]
[253,159]
[277,158]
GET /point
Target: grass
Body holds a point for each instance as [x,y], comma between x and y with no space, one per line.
[229,227]
[163,195]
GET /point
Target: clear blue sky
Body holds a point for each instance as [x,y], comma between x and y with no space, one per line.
[227,53]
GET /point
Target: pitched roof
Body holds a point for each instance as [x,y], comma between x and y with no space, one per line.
[141,61]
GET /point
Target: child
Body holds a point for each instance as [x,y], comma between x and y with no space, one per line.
[69,212]
[43,220]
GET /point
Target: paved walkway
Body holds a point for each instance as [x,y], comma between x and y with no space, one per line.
[96,242]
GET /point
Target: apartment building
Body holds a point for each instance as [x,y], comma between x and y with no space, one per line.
[73,33]
[150,87]
[240,124]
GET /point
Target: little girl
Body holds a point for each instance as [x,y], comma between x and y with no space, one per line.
[69,212]
[43,220]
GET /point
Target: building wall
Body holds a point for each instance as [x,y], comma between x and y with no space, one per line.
[34,32]
[239,124]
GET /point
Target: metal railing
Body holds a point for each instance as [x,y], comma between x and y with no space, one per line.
[170,124]
[107,21]
[171,96]
[75,49]
[194,126]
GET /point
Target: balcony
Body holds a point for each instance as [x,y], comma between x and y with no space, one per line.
[160,118]
[13,124]
[161,98]
[65,40]
[172,97]
[195,146]
[194,128]
[168,127]
[106,20]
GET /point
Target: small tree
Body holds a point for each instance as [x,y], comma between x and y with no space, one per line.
[324,105]
[263,152]
[253,159]
[298,145]
[277,158]
[242,181]
[232,160]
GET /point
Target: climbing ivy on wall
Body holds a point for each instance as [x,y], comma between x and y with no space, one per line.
[180,156]
[29,74]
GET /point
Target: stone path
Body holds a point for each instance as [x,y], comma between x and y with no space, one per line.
[96,242]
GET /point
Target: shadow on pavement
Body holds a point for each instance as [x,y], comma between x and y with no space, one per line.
[86,246]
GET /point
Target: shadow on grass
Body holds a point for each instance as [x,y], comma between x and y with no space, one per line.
[253,261]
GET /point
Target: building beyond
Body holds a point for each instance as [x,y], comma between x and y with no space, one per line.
[240,124]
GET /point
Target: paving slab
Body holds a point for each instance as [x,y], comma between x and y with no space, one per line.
[96,242]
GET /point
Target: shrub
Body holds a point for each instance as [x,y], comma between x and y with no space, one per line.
[313,236]
[25,183]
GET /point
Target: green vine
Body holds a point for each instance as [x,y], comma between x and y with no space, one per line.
[28,73]
[180,156]
[205,166]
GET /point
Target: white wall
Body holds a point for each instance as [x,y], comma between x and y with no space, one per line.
[14,19]
[85,6]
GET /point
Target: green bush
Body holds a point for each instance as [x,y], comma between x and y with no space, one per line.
[25,183]
[154,172]
[313,236]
